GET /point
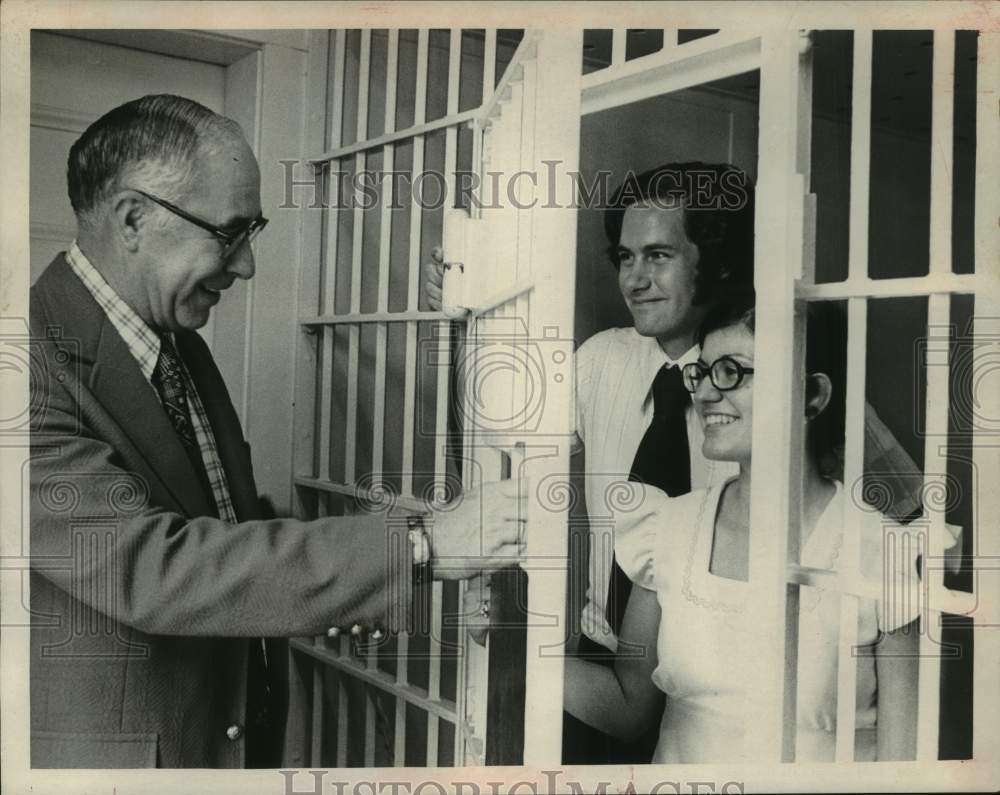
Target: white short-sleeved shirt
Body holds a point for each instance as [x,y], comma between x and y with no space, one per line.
[704,640]
[615,370]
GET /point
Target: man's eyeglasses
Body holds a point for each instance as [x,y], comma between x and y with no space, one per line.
[725,373]
[231,240]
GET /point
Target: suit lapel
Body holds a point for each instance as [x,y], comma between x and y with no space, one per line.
[119,386]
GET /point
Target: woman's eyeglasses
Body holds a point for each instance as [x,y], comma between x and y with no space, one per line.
[725,373]
[231,240]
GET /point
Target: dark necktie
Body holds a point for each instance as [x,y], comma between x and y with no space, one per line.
[662,460]
[169,384]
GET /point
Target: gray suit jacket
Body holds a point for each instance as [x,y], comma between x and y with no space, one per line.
[143,604]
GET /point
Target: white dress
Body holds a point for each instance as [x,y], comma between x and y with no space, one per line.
[703,644]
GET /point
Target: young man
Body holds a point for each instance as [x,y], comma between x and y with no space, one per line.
[154,575]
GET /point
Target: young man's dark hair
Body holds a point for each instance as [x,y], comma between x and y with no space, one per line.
[718,202]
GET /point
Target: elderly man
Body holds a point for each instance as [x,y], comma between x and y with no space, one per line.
[154,576]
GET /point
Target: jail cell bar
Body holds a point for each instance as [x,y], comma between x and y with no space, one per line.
[783,183]
[313,436]
[938,286]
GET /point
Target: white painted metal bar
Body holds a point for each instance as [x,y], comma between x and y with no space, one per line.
[525,50]
[670,42]
[413,287]
[320,367]
[527,162]
[509,136]
[936,424]
[342,708]
[370,695]
[489,66]
[384,250]
[381,342]
[861,123]
[986,454]
[370,317]
[309,277]
[472,670]
[443,396]
[803,157]
[854,423]
[406,501]
[316,735]
[553,258]
[943,599]
[501,135]
[416,131]
[777,264]
[986,495]
[334,133]
[502,297]
[440,707]
[354,332]
[942,152]
[399,733]
[619,40]
[797,443]
[854,519]
[935,481]
[668,70]
[402,638]
[403,501]
[955,283]
[381,332]
[799,182]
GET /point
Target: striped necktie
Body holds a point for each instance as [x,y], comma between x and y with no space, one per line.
[168,380]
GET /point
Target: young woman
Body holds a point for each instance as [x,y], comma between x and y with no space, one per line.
[685,631]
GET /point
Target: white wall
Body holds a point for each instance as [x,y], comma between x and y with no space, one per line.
[73,83]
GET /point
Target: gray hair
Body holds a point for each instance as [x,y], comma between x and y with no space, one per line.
[154,141]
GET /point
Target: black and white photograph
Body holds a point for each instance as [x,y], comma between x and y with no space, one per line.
[496,398]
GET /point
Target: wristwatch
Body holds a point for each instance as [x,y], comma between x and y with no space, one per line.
[421,545]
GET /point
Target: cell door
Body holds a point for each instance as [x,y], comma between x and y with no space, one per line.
[398,406]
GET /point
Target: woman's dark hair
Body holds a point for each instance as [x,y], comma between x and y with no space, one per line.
[826,352]
[718,203]
[737,309]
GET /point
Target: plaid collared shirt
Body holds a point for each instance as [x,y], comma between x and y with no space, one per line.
[144,344]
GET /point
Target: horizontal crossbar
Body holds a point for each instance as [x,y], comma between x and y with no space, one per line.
[405,501]
[354,318]
[441,707]
[955,283]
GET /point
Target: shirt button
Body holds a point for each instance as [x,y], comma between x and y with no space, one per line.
[234,732]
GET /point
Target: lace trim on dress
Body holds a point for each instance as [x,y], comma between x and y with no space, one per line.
[809,598]
[686,589]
